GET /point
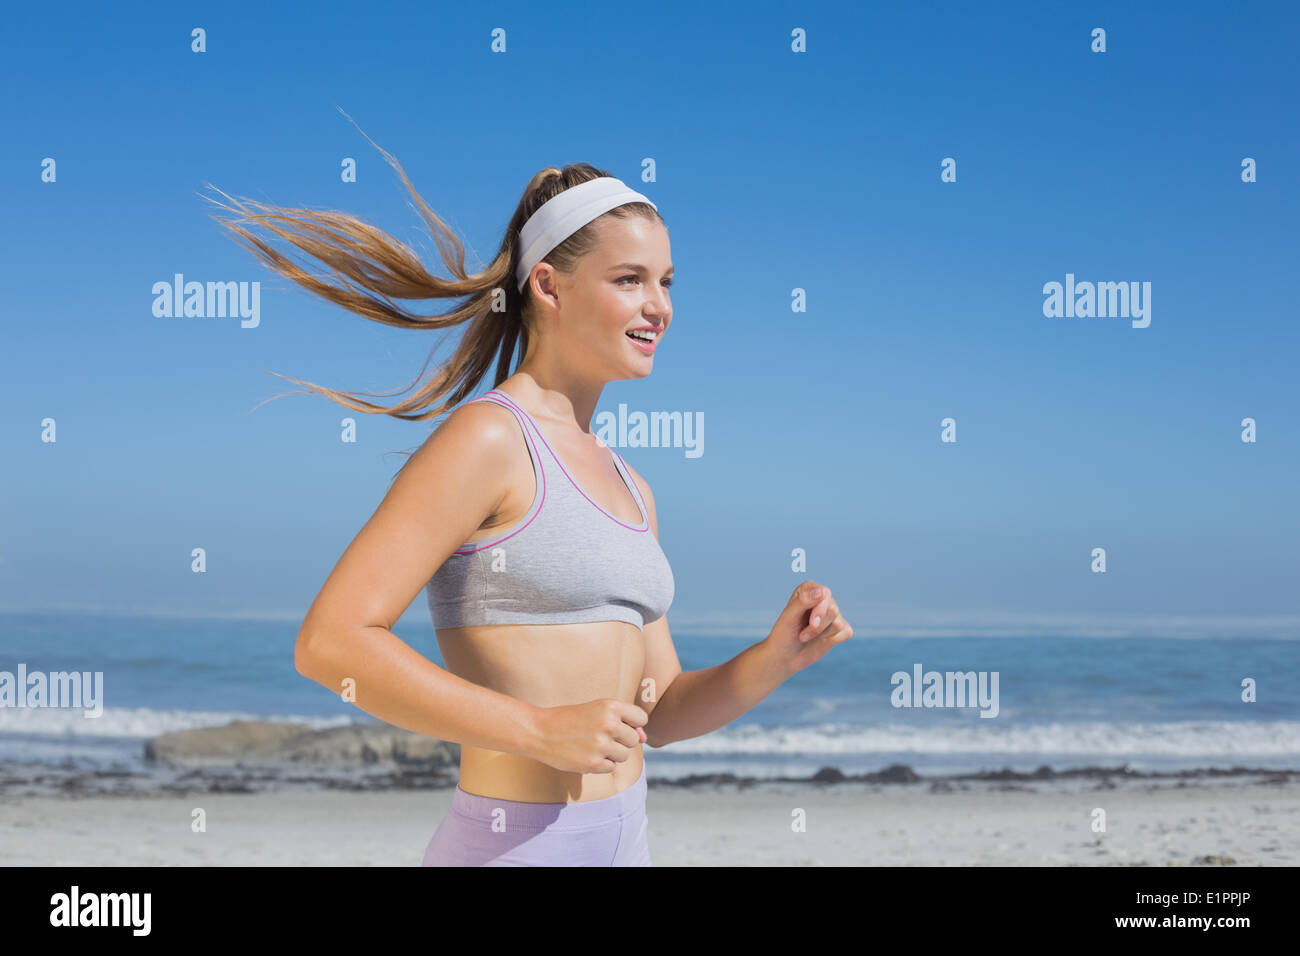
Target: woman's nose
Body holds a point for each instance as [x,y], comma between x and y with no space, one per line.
[662,306]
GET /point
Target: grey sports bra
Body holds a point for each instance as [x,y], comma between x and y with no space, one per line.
[567,561]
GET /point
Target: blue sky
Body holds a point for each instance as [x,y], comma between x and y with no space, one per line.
[774,171]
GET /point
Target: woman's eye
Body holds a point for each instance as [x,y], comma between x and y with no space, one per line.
[667,282]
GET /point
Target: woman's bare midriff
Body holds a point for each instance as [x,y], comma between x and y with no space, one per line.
[549,665]
[546,665]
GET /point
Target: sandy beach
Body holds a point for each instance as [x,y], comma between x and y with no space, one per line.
[715,825]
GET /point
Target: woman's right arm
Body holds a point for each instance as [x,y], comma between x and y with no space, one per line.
[444,492]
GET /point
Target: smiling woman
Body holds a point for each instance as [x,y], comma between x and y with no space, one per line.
[540,559]
[540,573]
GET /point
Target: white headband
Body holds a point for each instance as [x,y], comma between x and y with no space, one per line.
[563,215]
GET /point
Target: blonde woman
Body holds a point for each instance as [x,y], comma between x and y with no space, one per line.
[537,545]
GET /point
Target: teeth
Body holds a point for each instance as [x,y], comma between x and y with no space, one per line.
[646,336]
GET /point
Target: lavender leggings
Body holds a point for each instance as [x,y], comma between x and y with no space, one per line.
[610,831]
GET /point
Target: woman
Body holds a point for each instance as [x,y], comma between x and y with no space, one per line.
[538,546]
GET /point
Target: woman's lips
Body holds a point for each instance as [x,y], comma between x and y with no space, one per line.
[647,347]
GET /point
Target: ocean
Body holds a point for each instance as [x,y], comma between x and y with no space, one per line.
[1151,705]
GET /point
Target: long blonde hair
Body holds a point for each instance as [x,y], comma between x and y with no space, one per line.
[382,268]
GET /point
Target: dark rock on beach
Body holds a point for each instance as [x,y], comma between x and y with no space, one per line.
[829,775]
[895,773]
[217,745]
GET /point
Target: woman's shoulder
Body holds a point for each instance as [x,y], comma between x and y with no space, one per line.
[481,434]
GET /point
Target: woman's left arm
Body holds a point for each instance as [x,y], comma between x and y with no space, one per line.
[687,704]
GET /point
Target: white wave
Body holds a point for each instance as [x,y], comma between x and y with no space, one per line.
[1183,739]
[136,721]
[1098,738]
